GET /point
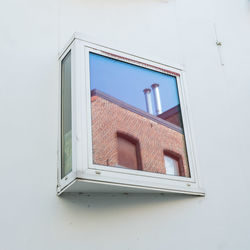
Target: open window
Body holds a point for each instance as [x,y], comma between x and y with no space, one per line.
[124,124]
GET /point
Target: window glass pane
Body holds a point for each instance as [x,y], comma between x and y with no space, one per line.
[136,101]
[66,136]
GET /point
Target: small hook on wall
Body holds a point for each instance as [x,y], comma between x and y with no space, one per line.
[218,43]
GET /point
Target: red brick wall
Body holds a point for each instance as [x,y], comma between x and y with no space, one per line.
[154,138]
[175,119]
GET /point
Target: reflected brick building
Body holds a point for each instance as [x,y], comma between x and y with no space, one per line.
[149,137]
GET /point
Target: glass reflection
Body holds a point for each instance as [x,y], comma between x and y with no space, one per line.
[66,130]
[136,118]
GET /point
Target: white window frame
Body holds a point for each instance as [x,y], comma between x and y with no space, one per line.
[83,169]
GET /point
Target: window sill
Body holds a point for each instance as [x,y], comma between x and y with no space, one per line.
[80,185]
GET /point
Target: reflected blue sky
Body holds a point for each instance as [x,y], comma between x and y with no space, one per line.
[126,82]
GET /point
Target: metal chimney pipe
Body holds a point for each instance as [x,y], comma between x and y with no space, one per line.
[147,93]
[157,98]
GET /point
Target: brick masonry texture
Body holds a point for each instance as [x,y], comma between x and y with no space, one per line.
[175,119]
[108,118]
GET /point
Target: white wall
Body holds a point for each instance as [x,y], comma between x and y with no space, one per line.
[181,31]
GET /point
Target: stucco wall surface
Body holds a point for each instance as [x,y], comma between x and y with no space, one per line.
[217,80]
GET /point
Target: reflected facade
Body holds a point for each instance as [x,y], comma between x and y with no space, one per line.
[136,118]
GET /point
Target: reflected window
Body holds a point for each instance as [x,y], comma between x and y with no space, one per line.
[128,152]
[171,165]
